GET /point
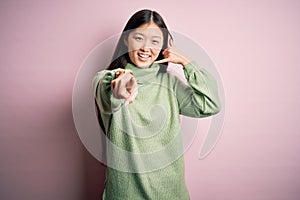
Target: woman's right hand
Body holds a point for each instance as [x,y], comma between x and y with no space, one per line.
[125,87]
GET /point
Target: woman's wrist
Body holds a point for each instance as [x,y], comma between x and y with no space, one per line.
[185,62]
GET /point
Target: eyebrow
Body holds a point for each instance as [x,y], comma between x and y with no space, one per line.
[155,36]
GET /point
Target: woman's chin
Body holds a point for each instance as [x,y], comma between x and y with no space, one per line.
[143,64]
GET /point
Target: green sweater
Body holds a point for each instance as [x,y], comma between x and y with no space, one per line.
[144,146]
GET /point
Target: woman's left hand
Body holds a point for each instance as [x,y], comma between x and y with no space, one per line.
[174,55]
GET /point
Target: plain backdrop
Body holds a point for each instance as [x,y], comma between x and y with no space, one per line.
[254,45]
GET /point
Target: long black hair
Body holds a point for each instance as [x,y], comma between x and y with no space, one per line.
[120,57]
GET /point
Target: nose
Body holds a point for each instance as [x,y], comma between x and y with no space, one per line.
[146,45]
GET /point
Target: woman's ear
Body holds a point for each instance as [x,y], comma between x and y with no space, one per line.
[171,42]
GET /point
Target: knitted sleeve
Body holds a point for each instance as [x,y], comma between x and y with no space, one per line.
[102,91]
[200,97]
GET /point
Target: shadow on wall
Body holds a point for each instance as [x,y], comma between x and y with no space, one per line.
[92,171]
[94,177]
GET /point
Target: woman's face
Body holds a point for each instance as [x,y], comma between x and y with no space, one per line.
[144,44]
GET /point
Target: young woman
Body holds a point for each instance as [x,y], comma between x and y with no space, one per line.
[139,105]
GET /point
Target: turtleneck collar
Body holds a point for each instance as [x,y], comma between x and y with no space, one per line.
[144,74]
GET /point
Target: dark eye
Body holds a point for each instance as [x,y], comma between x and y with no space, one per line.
[138,38]
[155,42]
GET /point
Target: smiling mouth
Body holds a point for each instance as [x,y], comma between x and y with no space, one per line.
[143,57]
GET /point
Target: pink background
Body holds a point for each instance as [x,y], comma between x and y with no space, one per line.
[254,44]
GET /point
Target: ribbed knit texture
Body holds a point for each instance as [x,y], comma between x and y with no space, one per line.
[149,128]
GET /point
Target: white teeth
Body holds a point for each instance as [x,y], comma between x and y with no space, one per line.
[144,55]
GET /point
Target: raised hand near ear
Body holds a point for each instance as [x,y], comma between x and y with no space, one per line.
[174,55]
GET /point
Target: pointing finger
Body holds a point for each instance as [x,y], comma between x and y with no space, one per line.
[132,97]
